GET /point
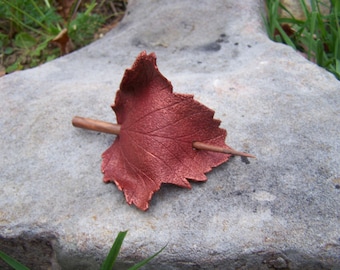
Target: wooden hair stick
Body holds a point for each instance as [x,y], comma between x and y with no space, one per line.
[106,127]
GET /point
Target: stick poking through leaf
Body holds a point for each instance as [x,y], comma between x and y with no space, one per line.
[110,128]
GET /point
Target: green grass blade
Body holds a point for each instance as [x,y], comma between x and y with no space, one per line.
[13,263]
[47,4]
[112,256]
[337,31]
[274,13]
[311,40]
[304,8]
[37,8]
[337,67]
[90,7]
[314,5]
[286,10]
[337,45]
[272,17]
[319,55]
[144,262]
[285,37]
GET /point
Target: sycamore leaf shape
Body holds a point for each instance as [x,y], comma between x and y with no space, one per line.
[158,128]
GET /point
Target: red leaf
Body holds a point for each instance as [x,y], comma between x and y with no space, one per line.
[158,128]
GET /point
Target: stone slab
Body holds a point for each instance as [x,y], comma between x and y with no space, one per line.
[279,211]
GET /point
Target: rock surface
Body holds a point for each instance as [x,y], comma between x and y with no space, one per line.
[280,211]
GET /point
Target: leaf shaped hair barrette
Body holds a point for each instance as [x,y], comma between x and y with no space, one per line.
[162,137]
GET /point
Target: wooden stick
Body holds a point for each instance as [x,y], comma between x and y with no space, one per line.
[110,128]
[95,125]
[214,148]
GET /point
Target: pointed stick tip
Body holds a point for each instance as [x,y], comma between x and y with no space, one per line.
[225,150]
[238,153]
[248,155]
[234,152]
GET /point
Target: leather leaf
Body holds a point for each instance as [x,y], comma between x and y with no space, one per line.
[158,128]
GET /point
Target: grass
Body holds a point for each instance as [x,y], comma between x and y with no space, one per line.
[316,36]
[33,32]
[107,264]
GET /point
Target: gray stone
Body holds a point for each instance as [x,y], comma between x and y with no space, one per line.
[279,211]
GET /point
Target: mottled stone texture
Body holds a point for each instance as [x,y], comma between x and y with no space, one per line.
[278,211]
